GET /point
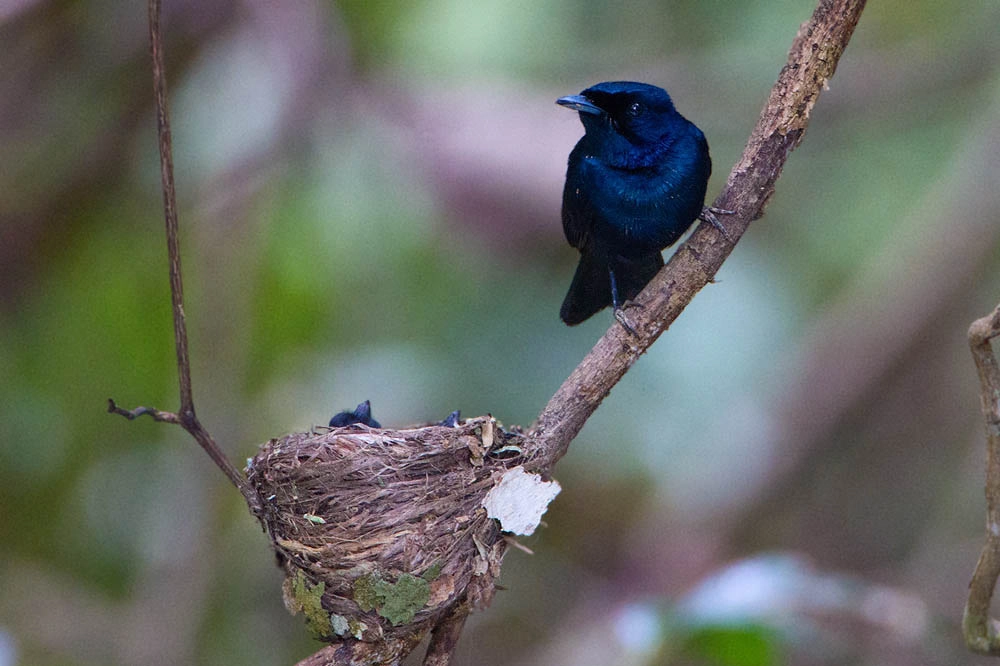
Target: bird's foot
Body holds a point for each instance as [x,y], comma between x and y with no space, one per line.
[708,213]
[623,320]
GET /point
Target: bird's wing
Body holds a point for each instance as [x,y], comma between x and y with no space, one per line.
[577,209]
[576,219]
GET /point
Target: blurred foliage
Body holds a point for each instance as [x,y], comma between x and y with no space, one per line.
[369,210]
[732,646]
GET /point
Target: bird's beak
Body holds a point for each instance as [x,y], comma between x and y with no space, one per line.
[579,103]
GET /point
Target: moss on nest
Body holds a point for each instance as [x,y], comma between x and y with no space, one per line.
[381,532]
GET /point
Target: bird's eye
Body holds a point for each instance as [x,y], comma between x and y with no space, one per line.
[636,109]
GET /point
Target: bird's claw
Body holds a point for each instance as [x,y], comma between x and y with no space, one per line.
[623,320]
[708,214]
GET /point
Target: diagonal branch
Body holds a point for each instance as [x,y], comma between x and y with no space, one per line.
[981,632]
[812,61]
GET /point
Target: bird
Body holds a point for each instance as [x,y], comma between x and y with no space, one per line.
[362,414]
[452,420]
[635,182]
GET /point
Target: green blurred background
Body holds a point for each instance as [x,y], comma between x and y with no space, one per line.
[369,203]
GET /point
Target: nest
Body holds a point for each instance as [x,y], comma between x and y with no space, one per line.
[382,532]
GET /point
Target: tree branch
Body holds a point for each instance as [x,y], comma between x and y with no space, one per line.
[186,416]
[445,637]
[981,632]
[812,61]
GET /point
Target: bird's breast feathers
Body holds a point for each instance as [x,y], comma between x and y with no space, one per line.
[635,210]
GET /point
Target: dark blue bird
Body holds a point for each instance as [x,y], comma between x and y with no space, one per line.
[635,183]
[361,414]
[452,420]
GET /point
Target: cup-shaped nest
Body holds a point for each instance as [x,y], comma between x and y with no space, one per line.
[381,532]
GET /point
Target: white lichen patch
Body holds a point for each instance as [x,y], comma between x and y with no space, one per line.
[339,624]
[520,500]
[343,626]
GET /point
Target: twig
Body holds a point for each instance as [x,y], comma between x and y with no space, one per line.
[133,414]
[186,416]
[981,632]
[812,60]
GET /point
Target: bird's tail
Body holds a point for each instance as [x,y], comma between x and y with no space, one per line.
[590,291]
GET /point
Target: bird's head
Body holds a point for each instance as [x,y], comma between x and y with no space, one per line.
[621,116]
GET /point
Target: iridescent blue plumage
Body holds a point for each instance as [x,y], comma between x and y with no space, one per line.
[635,183]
